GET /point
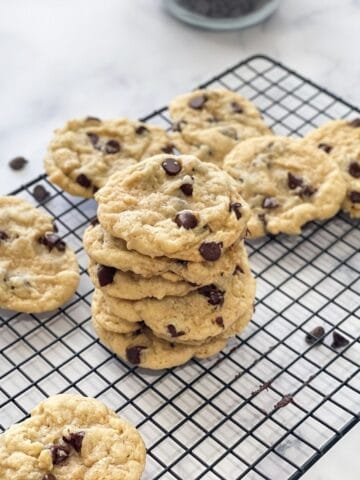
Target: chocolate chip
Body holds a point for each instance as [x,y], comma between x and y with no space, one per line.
[186,220]
[93,137]
[105,275]
[210,251]
[284,401]
[187,189]
[237,270]
[112,146]
[171,166]
[173,332]
[235,207]
[354,197]
[214,295]
[315,335]
[18,163]
[219,321]
[270,202]
[355,123]
[94,221]
[59,453]
[75,440]
[294,181]
[339,341]
[92,119]
[354,169]
[307,191]
[168,148]
[51,240]
[182,262]
[83,180]
[141,129]
[197,102]
[95,188]
[40,193]
[49,476]
[3,235]
[325,147]
[133,354]
[236,108]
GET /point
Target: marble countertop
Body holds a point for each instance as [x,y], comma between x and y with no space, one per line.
[65,59]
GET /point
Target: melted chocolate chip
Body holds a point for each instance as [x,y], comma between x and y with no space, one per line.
[219,321]
[236,108]
[49,476]
[3,235]
[237,270]
[235,207]
[75,440]
[112,146]
[187,189]
[325,147]
[83,180]
[214,295]
[315,335]
[105,275]
[197,102]
[355,123]
[294,181]
[354,197]
[92,119]
[59,454]
[168,148]
[284,401]
[173,332]
[18,163]
[354,169]
[133,354]
[270,202]
[94,221]
[171,166]
[210,251]
[186,220]
[40,193]
[51,240]
[141,129]
[339,341]
[93,137]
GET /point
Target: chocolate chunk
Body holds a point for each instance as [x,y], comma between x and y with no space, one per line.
[307,191]
[294,181]
[210,251]
[235,207]
[186,219]
[93,137]
[92,119]
[325,147]
[270,202]
[354,197]
[51,240]
[354,169]
[284,401]
[105,275]
[173,332]
[49,476]
[94,221]
[219,321]
[237,270]
[197,102]
[168,148]
[236,108]
[187,189]
[133,354]
[141,129]
[315,335]
[214,295]
[339,341]
[112,146]
[40,193]
[3,235]
[18,163]
[75,440]
[83,180]
[355,123]
[59,453]
[171,166]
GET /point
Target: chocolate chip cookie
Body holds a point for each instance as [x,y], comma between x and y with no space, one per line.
[174,206]
[85,152]
[38,271]
[71,437]
[340,139]
[286,182]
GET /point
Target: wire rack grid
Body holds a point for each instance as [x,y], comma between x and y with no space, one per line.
[268,406]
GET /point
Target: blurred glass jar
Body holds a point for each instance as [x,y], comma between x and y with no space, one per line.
[221,14]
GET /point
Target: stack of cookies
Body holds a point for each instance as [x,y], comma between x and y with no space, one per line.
[168,261]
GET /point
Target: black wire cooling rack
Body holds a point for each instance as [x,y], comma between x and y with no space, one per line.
[268,406]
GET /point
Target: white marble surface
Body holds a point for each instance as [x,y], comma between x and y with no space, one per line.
[63,58]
